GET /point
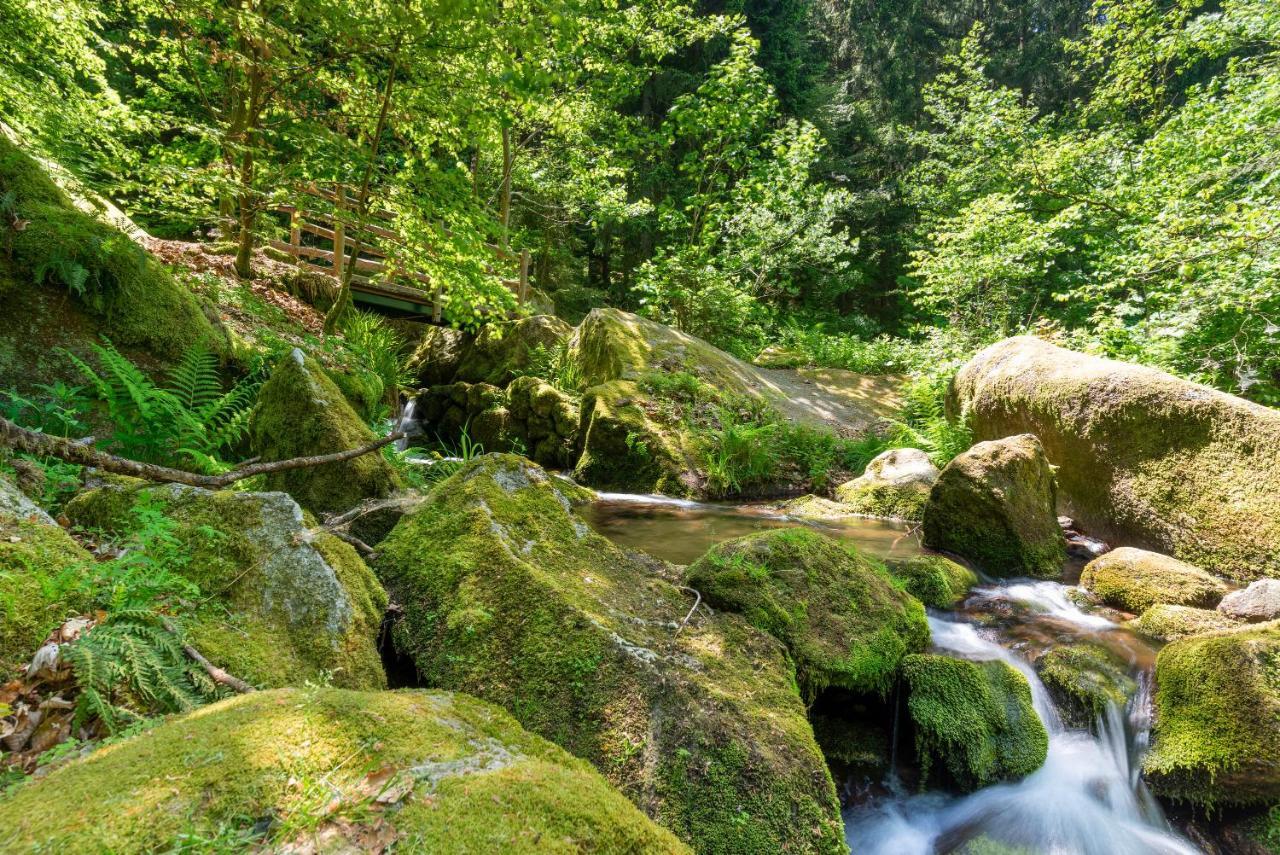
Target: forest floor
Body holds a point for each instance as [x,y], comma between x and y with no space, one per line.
[849,402]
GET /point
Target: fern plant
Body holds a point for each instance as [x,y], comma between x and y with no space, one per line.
[188,422]
[131,665]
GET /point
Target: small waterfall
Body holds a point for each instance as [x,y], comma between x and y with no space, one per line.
[408,424]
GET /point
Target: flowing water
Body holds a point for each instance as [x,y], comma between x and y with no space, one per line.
[1087,798]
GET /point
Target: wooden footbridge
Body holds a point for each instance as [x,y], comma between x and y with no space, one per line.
[324,237]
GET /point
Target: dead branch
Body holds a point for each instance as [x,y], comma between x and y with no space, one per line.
[43,445]
[215,673]
[697,602]
[360,546]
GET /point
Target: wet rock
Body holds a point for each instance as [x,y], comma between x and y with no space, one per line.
[994,504]
[973,720]
[300,413]
[1135,580]
[896,484]
[398,769]
[284,602]
[812,508]
[1143,457]
[1167,623]
[1257,603]
[837,610]
[503,351]
[1217,703]
[1085,680]
[509,595]
[935,580]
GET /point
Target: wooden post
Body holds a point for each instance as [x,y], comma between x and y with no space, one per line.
[295,228]
[437,303]
[339,238]
[523,293]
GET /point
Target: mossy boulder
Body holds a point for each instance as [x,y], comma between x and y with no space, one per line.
[363,391]
[90,271]
[508,595]
[896,484]
[1086,680]
[300,412]
[287,602]
[627,445]
[1143,457]
[335,771]
[438,354]
[1217,719]
[812,508]
[839,612]
[973,719]
[545,419]
[1135,580]
[1167,623]
[42,577]
[934,580]
[503,350]
[994,504]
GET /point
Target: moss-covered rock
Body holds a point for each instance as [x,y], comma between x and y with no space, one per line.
[1143,457]
[812,508]
[1085,680]
[1166,623]
[300,413]
[106,282]
[838,611]
[510,596]
[1135,580]
[975,719]
[42,574]
[287,603]
[627,446]
[1217,718]
[934,580]
[363,391]
[330,770]
[438,354]
[503,351]
[994,504]
[545,419]
[896,484]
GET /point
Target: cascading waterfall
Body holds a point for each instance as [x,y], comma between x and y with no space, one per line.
[1087,798]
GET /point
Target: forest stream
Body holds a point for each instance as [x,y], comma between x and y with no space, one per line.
[1087,798]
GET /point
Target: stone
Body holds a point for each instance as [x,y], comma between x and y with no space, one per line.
[301,413]
[416,771]
[812,508]
[837,610]
[1257,603]
[1167,623]
[438,354]
[1216,740]
[934,580]
[503,351]
[994,504]
[1085,680]
[508,595]
[1143,458]
[896,484]
[285,602]
[1135,580]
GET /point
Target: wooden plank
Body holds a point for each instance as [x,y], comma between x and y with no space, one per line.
[365,247]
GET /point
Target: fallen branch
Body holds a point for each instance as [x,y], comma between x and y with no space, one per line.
[215,673]
[696,603]
[43,445]
[360,546]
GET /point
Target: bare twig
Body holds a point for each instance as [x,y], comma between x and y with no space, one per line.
[697,602]
[43,445]
[361,547]
[215,673]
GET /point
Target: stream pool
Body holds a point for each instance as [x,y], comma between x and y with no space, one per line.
[1087,798]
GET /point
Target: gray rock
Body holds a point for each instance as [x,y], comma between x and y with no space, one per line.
[1257,603]
[895,484]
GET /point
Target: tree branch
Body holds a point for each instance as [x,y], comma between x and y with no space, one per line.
[215,673]
[43,445]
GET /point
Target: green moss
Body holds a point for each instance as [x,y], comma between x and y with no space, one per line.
[812,508]
[1217,705]
[363,391]
[1086,680]
[885,500]
[1135,580]
[1167,623]
[300,413]
[855,746]
[626,447]
[503,351]
[133,300]
[1151,460]
[838,611]
[995,504]
[510,596]
[973,718]
[42,573]
[934,580]
[287,603]
[1263,830]
[275,768]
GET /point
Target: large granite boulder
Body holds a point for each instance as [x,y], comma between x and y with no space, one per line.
[1135,580]
[1257,603]
[973,720]
[508,595]
[329,770]
[1217,719]
[1168,623]
[838,611]
[895,484]
[501,352]
[283,602]
[41,574]
[994,504]
[1143,457]
[301,413]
